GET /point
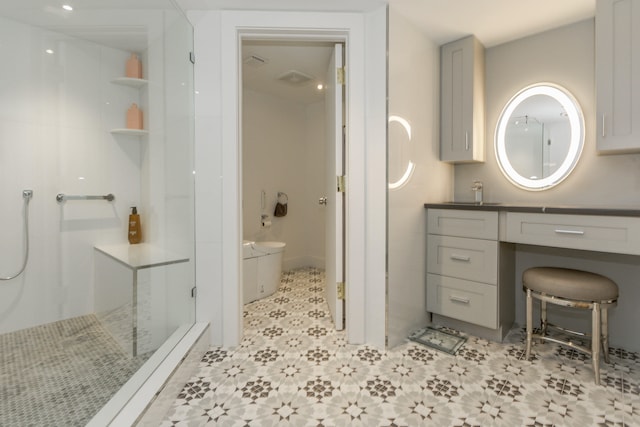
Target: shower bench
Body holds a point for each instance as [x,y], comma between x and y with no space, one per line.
[133,289]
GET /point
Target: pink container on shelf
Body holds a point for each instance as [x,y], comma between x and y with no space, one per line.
[134,117]
[134,67]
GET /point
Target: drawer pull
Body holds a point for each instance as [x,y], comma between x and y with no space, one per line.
[457,257]
[574,232]
[462,300]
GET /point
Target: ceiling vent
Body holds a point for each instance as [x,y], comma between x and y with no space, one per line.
[295,78]
[254,61]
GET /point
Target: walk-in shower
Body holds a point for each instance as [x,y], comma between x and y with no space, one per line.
[82,310]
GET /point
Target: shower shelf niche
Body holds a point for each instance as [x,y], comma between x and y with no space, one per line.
[132,132]
[136,84]
[130,81]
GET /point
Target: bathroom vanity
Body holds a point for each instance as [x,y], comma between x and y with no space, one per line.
[471,280]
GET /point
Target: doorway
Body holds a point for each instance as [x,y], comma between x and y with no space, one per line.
[219,163]
[286,158]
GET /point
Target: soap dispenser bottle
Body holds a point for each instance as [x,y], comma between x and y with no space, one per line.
[135,236]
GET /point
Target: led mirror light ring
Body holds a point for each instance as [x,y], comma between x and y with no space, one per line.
[576,123]
[410,167]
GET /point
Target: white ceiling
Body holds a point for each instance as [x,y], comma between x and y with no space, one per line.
[493,22]
[121,24]
[309,58]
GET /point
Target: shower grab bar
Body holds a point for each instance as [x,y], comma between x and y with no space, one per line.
[64,197]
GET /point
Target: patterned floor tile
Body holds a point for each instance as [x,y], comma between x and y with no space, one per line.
[293,369]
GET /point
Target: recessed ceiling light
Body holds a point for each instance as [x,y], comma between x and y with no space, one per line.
[67,7]
[49,51]
[320,86]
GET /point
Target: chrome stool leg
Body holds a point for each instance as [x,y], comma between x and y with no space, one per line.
[543,319]
[605,333]
[529,323]
[595,340]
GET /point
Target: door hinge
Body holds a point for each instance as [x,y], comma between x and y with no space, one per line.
[192,57]
[194,292]
[342,184]
[340,75]
[340,289]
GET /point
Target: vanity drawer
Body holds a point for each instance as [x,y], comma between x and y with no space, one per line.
[463,223]
[471,259]
[471,302]
[593,233]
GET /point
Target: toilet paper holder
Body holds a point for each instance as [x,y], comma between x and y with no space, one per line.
[265,221]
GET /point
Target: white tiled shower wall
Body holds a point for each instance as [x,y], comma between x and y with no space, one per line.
[56,113]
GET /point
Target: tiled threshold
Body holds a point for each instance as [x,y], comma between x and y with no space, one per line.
[146,397]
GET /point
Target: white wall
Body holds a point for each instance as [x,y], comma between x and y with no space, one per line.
[313,213]
[414,63]
[283,150]
[564,56]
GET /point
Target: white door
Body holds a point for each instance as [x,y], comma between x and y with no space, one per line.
[334,200]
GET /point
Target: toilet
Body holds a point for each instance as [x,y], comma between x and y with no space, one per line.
[261,269]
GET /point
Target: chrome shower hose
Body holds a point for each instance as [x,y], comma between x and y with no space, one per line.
[26,195]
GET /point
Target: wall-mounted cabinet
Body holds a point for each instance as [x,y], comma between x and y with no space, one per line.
[462,101]
[618,75]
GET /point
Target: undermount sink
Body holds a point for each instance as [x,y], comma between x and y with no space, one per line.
[474,203]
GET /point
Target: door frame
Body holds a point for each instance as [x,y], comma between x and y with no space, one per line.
[276,37]
[366,117]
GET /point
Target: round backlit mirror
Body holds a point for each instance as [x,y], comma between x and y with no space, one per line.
[539,137]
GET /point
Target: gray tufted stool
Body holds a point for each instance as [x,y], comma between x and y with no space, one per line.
[571,288]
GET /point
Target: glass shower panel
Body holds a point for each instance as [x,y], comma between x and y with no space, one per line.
[90,308]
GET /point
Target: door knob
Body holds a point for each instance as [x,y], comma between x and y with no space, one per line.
[322,201]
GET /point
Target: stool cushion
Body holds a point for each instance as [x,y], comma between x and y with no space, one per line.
[570,284]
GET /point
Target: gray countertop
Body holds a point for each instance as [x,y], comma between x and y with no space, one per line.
[531,208]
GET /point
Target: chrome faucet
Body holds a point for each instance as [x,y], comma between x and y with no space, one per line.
[477,188]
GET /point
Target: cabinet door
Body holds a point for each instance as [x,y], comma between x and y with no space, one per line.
[618,75]
[462,101]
